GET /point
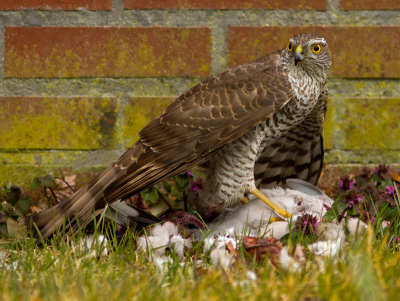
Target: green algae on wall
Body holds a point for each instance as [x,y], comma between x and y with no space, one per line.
[57,123]
[139,112]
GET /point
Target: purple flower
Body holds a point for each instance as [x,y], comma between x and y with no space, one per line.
[194,186]
[390,190]
[307,223]
[353,197]
[390,195]
[345,184]
[365,172]
[373,220]
[383,171]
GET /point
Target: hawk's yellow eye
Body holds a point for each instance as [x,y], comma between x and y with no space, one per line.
[316,48]
[289,47]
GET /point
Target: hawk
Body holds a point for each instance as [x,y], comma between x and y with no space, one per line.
[257,123]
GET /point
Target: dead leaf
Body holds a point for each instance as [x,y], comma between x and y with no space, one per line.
[231,249]
[262,248]
[4,254]
[64,187]
[395,177]
[15,230]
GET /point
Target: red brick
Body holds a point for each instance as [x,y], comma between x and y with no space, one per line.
[369,4]
[357,51]
[57,123]
[55,4]
[226,4]
[107,52]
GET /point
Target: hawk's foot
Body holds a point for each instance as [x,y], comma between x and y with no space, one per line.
[270,203]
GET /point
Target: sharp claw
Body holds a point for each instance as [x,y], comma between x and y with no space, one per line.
[244,200]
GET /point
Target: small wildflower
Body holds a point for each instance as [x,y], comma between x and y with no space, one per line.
[383,171]
[365,172]
[307,223]
[390,195]
[198,184]
[390,189]
[345,184]
[373,220]
[353,197]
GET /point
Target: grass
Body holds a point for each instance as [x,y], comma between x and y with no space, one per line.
[368,270]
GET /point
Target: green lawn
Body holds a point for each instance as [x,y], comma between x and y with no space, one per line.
[60,271]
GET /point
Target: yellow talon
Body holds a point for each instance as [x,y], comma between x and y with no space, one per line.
[270,203]
[275,219]
[244,200]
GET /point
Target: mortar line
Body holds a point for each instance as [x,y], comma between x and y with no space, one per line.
[2,50]
[194,18]
[219,48]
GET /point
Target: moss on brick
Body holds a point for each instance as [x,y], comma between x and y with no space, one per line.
[368,123]
[57,123]
[139,112]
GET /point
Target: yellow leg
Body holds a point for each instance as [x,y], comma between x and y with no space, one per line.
[270,203]
[244,200]
[275,219]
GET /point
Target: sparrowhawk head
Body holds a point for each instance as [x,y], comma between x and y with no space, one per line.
[308,51]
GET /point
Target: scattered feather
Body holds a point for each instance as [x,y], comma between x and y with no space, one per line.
[96,246]
[165,236]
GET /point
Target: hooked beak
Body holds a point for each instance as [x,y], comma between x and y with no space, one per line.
[298,56]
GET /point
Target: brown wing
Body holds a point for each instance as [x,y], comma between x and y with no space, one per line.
[298,154]
[201,122]
[196,126]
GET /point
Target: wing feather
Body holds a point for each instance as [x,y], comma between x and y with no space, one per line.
[201,122]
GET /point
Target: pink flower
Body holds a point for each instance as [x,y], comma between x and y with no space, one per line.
[194,186]
[390,195]
[390,189]
[383,171]
[353,197]
[345,183]
[307,223]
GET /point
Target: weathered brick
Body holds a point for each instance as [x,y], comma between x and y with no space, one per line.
[107,52]
[139,112]
[226,4]
[57,123]
[357,51]
[366,123]
[329,125]
[55,4]
[369,4]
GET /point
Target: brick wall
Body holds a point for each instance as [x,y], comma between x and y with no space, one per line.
[80,78]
